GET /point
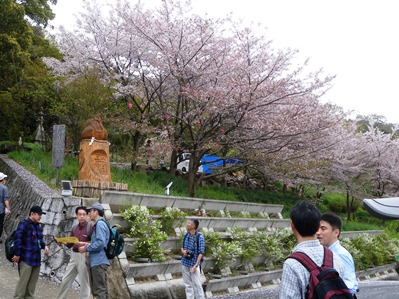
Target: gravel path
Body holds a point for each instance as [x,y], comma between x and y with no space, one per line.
[45,289]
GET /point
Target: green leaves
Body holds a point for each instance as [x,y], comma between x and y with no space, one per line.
[169,217]
[371,251]
[147,232]
[246,246]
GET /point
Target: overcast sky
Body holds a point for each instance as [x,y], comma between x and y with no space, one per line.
[352,39]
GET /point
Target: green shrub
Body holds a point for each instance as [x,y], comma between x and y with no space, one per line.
[270,248]
[249,245]
[225,254]
[212,239]
[147,232]
[169,217]
[371,251]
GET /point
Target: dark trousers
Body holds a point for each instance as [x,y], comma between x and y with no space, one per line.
[99,281]
[1,223]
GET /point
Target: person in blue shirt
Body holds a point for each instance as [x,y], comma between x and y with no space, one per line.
[99,262]
[4,202]
[192,254]
[28,243]
[328,234]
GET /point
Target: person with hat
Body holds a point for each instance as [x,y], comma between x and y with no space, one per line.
[99,262]
[78,262]
[4,202]
[192,250]
[28,244]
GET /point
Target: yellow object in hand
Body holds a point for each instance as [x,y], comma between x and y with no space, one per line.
[65,240]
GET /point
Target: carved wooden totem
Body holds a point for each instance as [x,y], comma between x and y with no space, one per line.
[94,162]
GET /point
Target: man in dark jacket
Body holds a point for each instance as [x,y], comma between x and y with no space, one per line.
[28,244]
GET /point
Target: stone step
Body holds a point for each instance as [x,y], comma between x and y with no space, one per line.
[221,224]
[243,281]
[121,200]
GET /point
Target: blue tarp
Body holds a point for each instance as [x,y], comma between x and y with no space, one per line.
[212,162]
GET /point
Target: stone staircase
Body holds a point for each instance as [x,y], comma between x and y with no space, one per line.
[163,280]
[167,275]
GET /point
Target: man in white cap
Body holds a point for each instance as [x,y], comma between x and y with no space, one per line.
[4,202]
[99,262]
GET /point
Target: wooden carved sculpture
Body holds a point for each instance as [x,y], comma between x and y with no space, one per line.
[94,162]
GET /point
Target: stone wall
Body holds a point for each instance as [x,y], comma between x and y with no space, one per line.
[26,190]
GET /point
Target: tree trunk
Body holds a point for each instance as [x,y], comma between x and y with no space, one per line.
[193,179]
[136,145]
[173,162]
[348,210]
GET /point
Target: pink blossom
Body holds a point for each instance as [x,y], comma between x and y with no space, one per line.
[222,131]
[167,117]
[130,105]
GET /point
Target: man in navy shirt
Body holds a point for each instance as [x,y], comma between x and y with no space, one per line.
[28,244]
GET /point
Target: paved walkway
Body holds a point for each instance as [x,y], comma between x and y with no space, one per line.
[48,290]
[45,289]
[368,290]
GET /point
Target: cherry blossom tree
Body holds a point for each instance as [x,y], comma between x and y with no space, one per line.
[383,152]
[211,85]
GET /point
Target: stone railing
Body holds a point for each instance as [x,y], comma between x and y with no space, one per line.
[222,224]
[121,200]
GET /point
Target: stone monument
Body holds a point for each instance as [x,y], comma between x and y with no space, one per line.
[94,163]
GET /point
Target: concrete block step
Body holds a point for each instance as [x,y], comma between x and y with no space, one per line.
[121,200]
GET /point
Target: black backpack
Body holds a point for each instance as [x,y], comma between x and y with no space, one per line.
[116,242]
[324,281]
[9,245]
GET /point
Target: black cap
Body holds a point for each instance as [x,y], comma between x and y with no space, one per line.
[37,209]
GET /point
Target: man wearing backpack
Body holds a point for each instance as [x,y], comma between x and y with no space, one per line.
[305,222]
[78,262]
[28,244]
[192,249]
[99,262]
[328,234]
[4,202]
